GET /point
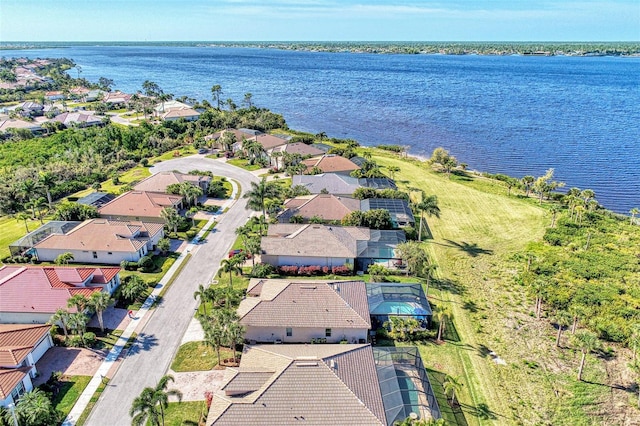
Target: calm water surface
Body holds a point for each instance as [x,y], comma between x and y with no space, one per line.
[502,114]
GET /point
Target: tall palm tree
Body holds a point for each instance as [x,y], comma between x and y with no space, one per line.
[235,334]
[216,91]
[555,209]
[98,303]
[259,193]
[47,181]
[24,217]
[393,170]
[171,218]
[562,319]
[78,301]
[634,211]
[78,323]
[321,136]
[28,190]
[527,182]
[144,408]
[587,342]
[230,266]
[428,205]
[202,294]
[428,270]
[161,394]
[61,317]
[452,385]
[442,315]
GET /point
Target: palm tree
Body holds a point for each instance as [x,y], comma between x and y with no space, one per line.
[442,315]
[171,217]
[634,340]
[35,409]
[191,213]
[235,334]
[98,303]
[38,204]
[230,266]
[428,205]
[393,170]
[562,319]
[259,193]
[161,394]
[527,182]
[321,136]
[78,301]
[538,289]
[555,209]
[61,317]
[577,311]
[587,342]
[202,294]
[216,91]
[428,271]
[28,190]
[78,323]
[634,211]
[47,180]
[247,100]
[143,408]
[214,334]
[452,385]
[24,217]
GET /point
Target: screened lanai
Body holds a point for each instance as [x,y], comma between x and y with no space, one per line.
[26,243]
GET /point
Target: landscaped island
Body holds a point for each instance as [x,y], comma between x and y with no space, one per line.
[533,293]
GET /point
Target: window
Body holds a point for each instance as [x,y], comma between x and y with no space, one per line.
[327,332]
[289,332]
[109,252]
[17,392]
[95,254]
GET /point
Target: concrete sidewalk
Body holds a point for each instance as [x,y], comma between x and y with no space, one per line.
[113,355]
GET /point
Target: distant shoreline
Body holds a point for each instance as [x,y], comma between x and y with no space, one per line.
[405,48]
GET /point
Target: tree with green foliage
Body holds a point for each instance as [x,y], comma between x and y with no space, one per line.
[562,319]
[202,294]
[230,266]
[586,342]
[545,184]
[36,409]
[22,216]
[234,334]
[64,258]
[413,254]
[77,322]
[216,92]
[133,288]
[61,316]
[393,170]
[452,384]
[164,245]
[47,181]
[377,272]
[527,182]
[259,193]
[98,303]
[171,218]
[634,211]
[78,301]
[428,205]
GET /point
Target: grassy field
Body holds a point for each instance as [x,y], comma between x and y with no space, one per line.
[184,413]
[13,230]
[70,389]
[197,356]
[244,164]
[473,241]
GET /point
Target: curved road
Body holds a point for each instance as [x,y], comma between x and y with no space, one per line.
[150,357]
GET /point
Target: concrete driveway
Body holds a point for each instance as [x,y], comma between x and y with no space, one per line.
[69,361]
[168,323]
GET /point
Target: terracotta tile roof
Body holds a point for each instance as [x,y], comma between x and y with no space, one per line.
[103,235]
[239,134]
[306,387]
[302,240]
[44,289]
[18,340]
[140,204]
[320,304]
[9,378]
[326,206]
[331,164]
[159,181]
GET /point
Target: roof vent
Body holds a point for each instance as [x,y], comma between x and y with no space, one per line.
[307,364]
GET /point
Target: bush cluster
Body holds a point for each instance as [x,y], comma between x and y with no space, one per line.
[312,270]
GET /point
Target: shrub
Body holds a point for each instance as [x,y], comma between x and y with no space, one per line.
[288,269]
[89,338]
[146,263]
[191,233]
[74,341]
[144,162]
[341,270]
[262,270]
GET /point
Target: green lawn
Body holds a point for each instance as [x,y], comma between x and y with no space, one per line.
[243,164]
[197,356]
[184,413]
[92,402]
[70,389]
[479,230]
[13,230]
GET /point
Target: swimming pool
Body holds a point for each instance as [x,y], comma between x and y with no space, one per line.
[398,308]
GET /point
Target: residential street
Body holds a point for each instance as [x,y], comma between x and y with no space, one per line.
[150,357]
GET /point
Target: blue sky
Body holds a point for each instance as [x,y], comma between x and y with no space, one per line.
[315,20]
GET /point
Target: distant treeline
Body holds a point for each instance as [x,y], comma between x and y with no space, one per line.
[444,48]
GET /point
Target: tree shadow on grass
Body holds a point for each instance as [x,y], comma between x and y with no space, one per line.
[437,378]
[471,249]
[449,285]
[461,175]
[143,342]
[481,411]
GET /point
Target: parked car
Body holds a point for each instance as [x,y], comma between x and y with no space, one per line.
[239,251]
[203,151]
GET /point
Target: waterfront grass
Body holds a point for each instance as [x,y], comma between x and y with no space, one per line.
[479,230]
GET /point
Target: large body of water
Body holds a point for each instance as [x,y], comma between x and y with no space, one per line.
[516,115]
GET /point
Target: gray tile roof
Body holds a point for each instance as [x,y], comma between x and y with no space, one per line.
[307,387]
[334,184]
[320,304]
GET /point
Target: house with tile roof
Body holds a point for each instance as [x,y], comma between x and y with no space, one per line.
[331,163]
[158,182]
[21,346]
[296,148]
[13,123]
[102,241]
[328,207]
[330,183]
[32,294]
[140,205]
[78,119]
[300,384]
[185,113]
[295,244]
[307,311]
